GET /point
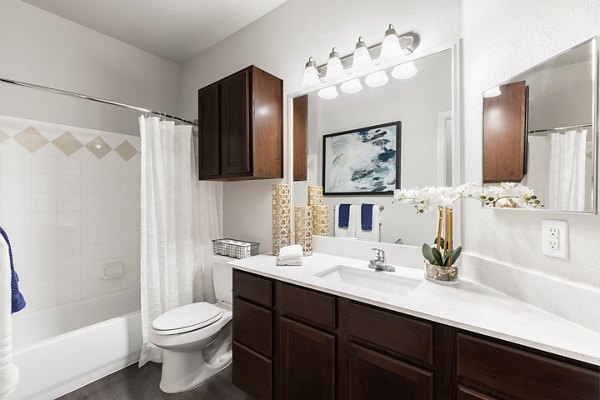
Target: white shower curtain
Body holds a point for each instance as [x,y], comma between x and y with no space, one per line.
[566,178]
[178,219]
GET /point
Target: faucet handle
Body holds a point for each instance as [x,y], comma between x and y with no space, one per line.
[380,254]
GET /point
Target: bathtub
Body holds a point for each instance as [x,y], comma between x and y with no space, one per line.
[61,349]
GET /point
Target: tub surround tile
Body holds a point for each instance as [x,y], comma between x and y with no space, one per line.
[64,202]
[98,147]
[67,143]
[31,139]
[126,150]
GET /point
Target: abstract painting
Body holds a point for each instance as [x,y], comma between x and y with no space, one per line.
[362,161]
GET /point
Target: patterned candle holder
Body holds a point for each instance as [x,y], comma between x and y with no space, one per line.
[315,195]
[303,221]
[320,220]
[281,211]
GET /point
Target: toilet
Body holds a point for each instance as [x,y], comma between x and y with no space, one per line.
[196,337]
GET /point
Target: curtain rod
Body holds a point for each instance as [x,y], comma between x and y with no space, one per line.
[96,99]
[560,128]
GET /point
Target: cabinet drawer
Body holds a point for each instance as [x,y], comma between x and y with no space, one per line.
[523,375]
[307,304]
[251,372]
[392,331]
[253,326]
[253,288]
[468,394]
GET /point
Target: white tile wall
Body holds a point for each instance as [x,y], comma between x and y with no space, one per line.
[68,215]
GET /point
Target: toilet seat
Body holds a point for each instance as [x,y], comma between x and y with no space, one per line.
[187,318]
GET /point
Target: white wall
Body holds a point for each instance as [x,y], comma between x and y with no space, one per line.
[501,39]
[42,48]
[280,43]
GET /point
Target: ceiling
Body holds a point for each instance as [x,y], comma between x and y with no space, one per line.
[176,30]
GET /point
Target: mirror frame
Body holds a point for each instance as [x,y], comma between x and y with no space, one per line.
[595,60]
[455,48]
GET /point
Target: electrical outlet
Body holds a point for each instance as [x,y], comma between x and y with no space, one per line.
[555,238]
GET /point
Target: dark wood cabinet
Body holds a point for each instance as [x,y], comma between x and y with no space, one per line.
[208,131]
[307,357]
[505,134]
[377,376]
[292,343]
[240,123]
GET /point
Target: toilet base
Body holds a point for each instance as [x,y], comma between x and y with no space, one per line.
[182,371]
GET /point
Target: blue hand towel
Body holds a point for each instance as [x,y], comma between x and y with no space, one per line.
[18,302]
[344,215]
[366,217]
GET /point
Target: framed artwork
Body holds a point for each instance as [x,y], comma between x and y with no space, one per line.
[362,161]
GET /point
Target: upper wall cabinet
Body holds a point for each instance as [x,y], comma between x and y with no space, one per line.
[240,123]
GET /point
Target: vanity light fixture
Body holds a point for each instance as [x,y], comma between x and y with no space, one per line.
[376,79]
[351,86]
[335,70]
[328,93]
[404,71]
[311,75]
[390,48]
[361,60]
[493,92]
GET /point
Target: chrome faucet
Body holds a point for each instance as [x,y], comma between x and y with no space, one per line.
[378,264]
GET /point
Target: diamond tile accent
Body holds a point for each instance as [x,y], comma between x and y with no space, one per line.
[67,143]
[98,147]
[31,139]
[3,136]
[126,150]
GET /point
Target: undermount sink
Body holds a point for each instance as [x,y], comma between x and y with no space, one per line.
[387,282]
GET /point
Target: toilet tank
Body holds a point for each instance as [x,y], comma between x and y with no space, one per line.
[222,278]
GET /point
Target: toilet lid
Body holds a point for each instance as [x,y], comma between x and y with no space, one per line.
[189,317]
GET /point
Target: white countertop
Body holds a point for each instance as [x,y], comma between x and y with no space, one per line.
[469,305]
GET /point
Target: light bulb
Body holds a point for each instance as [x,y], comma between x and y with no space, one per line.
[328,93]
[335,70]
[351,86]
[390,48]
[361,61]
[404,71]
[493,92]
[311,75]
[376,79]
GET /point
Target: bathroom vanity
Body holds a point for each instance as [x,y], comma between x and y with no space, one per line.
[315,332]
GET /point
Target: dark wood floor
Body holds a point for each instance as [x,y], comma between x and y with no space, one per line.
[133,383]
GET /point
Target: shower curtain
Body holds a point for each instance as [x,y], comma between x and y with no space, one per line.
[178,219]
[566,180]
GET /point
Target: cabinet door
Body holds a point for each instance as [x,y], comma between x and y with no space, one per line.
[376,376]
[208,131]
[235,124]
[307,369]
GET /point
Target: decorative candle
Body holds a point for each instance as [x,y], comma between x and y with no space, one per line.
[320,220]
[281,210]
[315,195]
[303,221]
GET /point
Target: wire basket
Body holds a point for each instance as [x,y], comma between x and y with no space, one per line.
[235,248]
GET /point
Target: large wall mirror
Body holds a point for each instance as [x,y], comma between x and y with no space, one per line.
[361,146]
[539,129]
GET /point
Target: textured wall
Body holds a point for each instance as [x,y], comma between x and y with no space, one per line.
[280,43]
[42,48]
[501,39]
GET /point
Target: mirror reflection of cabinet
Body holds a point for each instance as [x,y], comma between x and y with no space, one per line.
[300,107]
[504,134]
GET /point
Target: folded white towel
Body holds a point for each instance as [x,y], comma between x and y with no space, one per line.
[9,373]
[290,255]
[350,231]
